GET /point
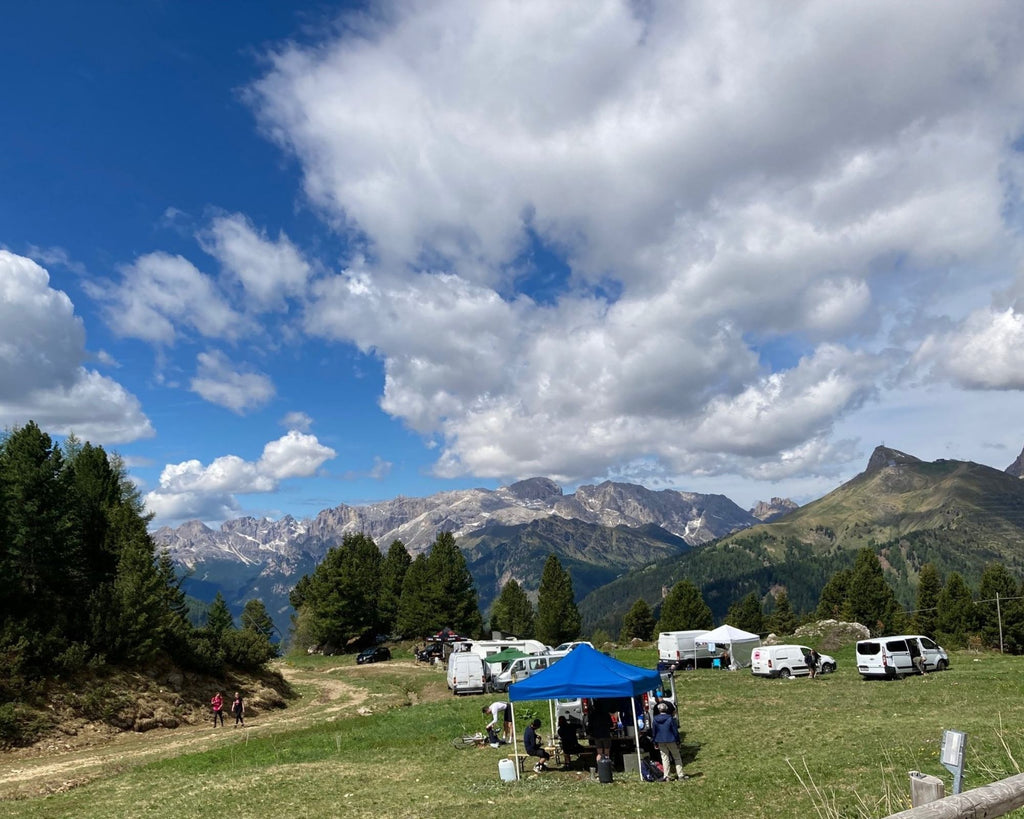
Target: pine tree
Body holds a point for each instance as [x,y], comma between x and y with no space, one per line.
[341,598]
[870,600]
[684,609]
[638,623]
[256,618]
[832,602]
[417,617]
[454,591]
[929,586]
[996,584]
[782,620]
[392,574]
[747,614]
[558,619]
[513,612]
[957,617]
[218,618]
[38,559]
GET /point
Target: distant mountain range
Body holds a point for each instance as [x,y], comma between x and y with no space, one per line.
[957,514]
[622,541]
[599,532]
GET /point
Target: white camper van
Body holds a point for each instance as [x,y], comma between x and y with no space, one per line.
[488,648]
[467,673]
[677,650]
[900,655]
[524,668]
[786,661]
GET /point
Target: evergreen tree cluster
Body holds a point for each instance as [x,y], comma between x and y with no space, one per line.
[355,594]
[82,583]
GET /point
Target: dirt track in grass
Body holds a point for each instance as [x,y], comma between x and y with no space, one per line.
[94,751]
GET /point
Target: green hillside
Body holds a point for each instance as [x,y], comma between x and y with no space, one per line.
[958,515]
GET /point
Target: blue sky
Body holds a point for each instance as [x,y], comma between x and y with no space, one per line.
[281,256]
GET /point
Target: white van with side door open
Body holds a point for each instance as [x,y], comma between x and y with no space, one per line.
[899,655]
[786,661]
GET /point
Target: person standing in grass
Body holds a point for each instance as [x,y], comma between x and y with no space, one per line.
[665,733]
[599,727]
[238,709]
[812,658]
[217,702]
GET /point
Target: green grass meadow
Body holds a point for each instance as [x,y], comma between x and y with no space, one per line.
[832,747]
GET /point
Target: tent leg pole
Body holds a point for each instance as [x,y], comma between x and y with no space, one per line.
[636,736]
[515,744]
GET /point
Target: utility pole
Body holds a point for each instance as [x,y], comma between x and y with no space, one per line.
[999,615]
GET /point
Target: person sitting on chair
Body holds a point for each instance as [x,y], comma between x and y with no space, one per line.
[535,747]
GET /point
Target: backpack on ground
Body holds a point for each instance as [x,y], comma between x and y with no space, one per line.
[648,771]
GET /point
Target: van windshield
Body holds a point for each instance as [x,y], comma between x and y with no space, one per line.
[868,648]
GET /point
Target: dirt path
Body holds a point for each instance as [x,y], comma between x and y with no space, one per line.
[56,768]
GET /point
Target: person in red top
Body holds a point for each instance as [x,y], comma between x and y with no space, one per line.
[218,708]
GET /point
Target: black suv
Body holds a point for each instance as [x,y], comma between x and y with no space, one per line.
[374,655]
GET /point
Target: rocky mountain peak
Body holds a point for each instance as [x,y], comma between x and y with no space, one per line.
[1017,467]
[884,456]
[535,489]
[767,511]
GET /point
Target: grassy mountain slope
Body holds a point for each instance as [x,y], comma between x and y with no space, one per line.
[959,515]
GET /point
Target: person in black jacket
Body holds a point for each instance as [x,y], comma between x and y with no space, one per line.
[535,747]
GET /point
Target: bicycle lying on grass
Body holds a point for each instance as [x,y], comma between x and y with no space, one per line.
[465,741]
[478,740]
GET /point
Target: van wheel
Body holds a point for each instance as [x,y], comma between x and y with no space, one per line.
[941,665]
[784,673]
[828,668]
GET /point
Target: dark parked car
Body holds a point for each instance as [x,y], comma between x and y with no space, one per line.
[374,655]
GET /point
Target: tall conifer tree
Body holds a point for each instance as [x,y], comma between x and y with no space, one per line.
[684,608]
[929,586]
[558,619]
[513,612]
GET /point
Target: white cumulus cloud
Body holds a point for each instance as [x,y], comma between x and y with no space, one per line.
[268,270]
[191,490]
[220,383]
[158,294]
[42,377]
[761,212]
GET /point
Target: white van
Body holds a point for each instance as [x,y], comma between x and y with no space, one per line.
[525,667]
[900,655]
[786,661]
[467,673]
[677,650]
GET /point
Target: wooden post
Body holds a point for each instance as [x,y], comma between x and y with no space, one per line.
[925,788]
[985,802]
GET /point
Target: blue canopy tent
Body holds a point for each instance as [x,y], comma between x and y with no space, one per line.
[586,672]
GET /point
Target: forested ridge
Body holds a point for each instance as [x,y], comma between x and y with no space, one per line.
[83,588]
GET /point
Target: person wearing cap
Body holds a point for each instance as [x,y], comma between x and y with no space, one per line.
[665,734]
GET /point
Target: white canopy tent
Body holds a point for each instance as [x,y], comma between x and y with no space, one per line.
[741,643]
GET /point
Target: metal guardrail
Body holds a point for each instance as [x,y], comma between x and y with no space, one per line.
[986,802]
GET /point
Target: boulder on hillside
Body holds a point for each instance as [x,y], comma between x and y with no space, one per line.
[829,635]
